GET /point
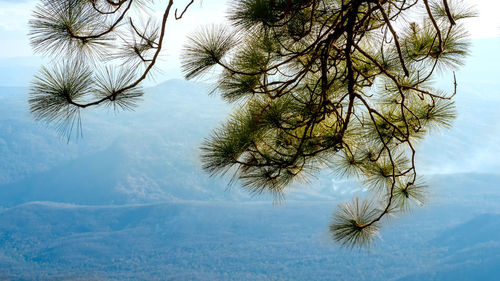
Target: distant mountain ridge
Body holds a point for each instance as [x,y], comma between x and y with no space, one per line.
[148,155]
[129,201]
[229,241]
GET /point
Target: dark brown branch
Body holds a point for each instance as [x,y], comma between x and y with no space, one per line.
[448,12]
[148,69]
[184,11]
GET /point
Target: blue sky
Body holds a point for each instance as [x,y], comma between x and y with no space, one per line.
[14,43]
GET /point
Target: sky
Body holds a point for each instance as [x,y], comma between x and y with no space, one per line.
[15,14]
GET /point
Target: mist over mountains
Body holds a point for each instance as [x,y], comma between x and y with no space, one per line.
[130,201]
[149,155]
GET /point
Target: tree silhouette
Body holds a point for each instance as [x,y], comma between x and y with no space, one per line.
[336,84]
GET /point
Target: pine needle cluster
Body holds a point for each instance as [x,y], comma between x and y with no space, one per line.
[343,85]
[101,51]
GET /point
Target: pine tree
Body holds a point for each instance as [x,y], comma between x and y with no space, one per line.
[344,85]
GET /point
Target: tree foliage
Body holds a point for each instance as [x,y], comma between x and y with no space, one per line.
[319,84]
[102,51]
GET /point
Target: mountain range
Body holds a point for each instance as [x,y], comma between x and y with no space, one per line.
[129,201]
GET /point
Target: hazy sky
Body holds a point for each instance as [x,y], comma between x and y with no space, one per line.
[14,16]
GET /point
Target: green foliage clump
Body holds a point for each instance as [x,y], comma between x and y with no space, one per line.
[344,85]
[100,57]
